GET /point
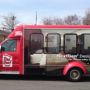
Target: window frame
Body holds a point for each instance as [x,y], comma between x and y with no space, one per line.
[82,49]
[64,42]
[9,40]
[31,41]
[47,43]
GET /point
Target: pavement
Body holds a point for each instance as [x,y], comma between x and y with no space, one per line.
[9,82]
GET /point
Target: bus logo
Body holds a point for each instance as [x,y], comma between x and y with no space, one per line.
[7,61]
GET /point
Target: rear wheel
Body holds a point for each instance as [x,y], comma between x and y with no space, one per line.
[74,75]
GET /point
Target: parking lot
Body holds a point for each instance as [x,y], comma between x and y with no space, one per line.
[41,83]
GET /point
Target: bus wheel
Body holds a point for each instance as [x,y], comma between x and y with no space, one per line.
[74,75]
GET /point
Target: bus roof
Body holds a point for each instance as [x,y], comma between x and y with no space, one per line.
[54,26]
[23,27]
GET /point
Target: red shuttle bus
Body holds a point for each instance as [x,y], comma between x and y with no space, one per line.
[47,50]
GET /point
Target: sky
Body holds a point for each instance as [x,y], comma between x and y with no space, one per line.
[25,10]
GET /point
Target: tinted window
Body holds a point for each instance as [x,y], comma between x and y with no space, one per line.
[9,45]
[85,45]
[53,43]
[70,41]
[36,43]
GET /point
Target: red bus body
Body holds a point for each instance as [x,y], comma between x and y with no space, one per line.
[19,57]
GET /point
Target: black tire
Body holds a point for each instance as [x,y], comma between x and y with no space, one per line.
[74,75]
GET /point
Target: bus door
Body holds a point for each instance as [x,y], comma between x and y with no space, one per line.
[37,56]
[9,57]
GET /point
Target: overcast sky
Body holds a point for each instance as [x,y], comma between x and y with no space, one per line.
[25,9]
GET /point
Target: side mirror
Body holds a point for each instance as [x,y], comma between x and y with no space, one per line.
[2,49]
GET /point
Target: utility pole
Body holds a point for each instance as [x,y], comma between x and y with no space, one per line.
[36,18]
[13,21]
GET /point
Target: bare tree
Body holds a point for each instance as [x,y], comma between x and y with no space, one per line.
[86,19]
[47,21]
[9,22]
[69,20]
[52,21]
[72,20]
[58,21]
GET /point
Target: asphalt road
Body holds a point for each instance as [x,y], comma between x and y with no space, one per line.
[41,83]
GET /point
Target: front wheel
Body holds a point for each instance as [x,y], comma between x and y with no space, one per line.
[74,75]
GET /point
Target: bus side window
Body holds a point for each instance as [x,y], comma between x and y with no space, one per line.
[53,43]
[85,46]
[70,43]
[36,43]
